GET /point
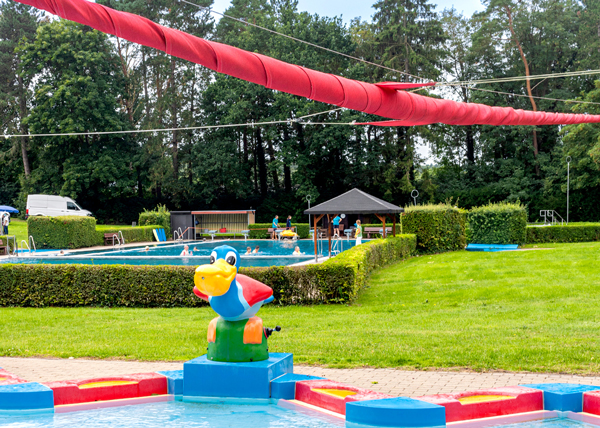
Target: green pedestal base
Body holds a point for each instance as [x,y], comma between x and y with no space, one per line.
[229,344]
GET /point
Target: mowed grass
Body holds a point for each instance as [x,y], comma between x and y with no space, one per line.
[517,311]
[18,228]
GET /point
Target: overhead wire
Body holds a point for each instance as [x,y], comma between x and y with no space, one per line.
[518,78]
[188,128]
[304,41]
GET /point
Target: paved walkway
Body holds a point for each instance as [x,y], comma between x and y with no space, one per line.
[390,381]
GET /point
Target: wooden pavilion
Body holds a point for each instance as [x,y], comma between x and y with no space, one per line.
[354,201]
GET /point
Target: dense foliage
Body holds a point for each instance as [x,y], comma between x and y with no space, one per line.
[501,223]
[438,228]
[62,231]
[335,281]
[58,76]
[573,232]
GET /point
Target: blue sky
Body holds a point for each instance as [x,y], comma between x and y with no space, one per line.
[352,8]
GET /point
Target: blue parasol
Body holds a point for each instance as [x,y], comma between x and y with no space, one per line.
[8,209]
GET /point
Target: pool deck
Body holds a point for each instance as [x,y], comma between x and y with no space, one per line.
[390,381]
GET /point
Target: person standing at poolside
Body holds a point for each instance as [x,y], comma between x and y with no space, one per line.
[5,223]
[275,226]
[336,225]
[288,223]
[358,233]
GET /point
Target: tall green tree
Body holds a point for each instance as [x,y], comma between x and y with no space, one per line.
[77,84]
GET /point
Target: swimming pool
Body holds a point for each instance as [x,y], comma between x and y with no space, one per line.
[270,253]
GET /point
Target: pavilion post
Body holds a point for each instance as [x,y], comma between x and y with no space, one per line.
[394,227]
[382,218]
[315,235]
[329,232]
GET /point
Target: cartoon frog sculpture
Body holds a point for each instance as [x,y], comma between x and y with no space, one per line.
[237,335]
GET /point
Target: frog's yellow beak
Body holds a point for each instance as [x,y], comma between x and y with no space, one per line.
[215,279]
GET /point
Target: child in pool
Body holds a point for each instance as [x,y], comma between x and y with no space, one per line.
[297,252]
[256,250]
[248,250]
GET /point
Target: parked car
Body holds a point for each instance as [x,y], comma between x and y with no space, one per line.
[53,206]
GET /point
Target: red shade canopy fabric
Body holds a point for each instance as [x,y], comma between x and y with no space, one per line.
[406,108]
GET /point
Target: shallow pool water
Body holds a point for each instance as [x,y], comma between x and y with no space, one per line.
[270,253]
[175,414]
[551,423]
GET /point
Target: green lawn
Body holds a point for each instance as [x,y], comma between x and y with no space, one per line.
[529,310]
[18,228]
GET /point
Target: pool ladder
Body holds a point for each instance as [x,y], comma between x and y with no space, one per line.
[27,245]
[120,239]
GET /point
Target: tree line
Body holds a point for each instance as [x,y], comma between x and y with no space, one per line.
[57,76]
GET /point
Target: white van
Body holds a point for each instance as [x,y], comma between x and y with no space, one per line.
[53,206]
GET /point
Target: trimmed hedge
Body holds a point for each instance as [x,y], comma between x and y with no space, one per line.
[159,216]
[259,230]
[130,233]
[573,232]
[500,223]
[337,280]
[62,231]
[438,228]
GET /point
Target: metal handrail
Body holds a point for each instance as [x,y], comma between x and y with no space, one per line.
[32,244]
[15,247]
[113,239]
[551,217]
[26,245]
[176,235]
[122,241]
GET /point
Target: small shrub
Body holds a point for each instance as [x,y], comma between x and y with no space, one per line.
[438,228]
[260,230]
[159,216]
[335,281]
[62,231]
[573,232]
[500,223]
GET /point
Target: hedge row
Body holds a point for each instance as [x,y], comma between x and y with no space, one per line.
[62,231]
[130,233]
[438,228]
[573,232]
[259,230]
[334,281]
[501,223]
[4,241]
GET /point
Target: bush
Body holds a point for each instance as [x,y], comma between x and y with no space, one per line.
[160,215]
[438,228]
[130,233]
[500,223]
[573,232]
[62,231]
[259,230]
[337,280]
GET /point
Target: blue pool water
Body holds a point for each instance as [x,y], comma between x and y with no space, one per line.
[271,253]
[174,415]
[177,414]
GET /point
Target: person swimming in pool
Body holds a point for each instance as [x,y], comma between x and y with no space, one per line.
[256,250]
[186,251]
[248,250]
[297,251]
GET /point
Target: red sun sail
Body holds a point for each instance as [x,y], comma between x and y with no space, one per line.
[384,100]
